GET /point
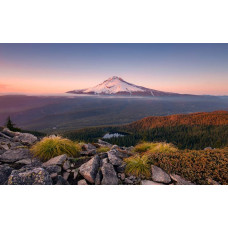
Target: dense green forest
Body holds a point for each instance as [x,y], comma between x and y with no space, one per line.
[191,137]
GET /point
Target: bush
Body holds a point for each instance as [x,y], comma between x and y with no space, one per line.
[196,166]
[155,147]
[52,146]
[138,166]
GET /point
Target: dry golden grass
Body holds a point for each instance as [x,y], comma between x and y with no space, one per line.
[154,147]
[52,146]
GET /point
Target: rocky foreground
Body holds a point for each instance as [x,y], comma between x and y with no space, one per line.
[19,167]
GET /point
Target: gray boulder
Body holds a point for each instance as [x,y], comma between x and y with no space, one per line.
[89,146]
[121,168]
[59,160]
[26,161]
[75,173]
[7,144]
[121,176]
[9,133]
[53,175]
[128,181]
[149,182]
[5,172]
[25,138]
[159,175]
[4,146]
[105,160]
[66,175]
[82,182]
[66,165]
[88,152]
[53,169]
[114,157]
[98,178]
[103,155]
[103,143]
[15,155]
[89,169]
[37,176]
[178,180]
[61,181]
[109,175]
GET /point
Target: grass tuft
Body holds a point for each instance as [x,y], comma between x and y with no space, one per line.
[138,166]
[52,146]
[154,147]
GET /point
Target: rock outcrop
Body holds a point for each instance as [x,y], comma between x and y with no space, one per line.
[23,138]
[19,167]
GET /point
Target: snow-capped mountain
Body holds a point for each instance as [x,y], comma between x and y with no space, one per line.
[117,86]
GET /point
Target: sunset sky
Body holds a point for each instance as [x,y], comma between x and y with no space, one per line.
[57,68]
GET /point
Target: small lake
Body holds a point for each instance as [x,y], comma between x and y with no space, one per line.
[112,135]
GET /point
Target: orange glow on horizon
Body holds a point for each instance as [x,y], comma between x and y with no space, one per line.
[16,79]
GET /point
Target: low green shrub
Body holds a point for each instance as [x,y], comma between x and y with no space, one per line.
[138,165]
[52,146]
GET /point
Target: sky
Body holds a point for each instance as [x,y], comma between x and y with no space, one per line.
[57,68]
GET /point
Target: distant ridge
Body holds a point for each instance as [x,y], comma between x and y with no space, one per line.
[215,118]
[117,86]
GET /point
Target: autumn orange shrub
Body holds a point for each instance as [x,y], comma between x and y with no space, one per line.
[194,165]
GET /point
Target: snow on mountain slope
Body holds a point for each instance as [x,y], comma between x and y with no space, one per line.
[113,85]
[117,86]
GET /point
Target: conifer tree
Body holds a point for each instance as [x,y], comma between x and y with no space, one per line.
[10,125]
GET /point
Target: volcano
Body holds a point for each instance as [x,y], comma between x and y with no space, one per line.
[117,86]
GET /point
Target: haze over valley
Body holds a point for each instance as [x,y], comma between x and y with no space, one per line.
[56,114]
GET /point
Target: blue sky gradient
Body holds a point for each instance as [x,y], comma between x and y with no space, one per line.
[183,68]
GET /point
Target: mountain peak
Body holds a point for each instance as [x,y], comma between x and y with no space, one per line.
[114,77]
[117,86]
